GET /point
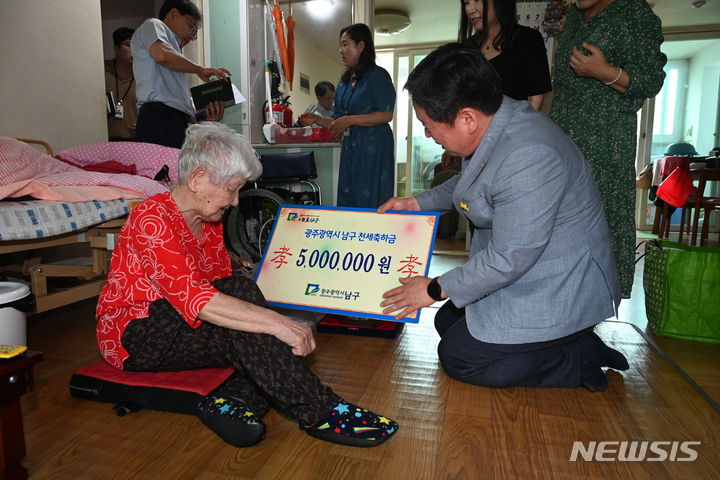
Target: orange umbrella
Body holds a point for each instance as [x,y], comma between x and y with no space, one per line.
[290,23]
[277,15]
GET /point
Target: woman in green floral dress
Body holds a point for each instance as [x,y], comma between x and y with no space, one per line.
[607,63]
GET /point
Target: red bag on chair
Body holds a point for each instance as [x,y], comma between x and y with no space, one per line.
[676,188]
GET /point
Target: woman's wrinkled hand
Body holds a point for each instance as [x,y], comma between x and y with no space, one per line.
[592,65]
[298,336]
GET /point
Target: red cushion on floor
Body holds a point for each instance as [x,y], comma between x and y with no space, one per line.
[201,381]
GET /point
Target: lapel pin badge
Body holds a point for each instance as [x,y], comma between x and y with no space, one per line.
[464,206]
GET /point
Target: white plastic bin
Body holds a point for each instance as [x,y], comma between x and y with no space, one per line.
[15,301]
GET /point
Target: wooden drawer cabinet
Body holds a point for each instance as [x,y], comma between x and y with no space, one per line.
[16,378]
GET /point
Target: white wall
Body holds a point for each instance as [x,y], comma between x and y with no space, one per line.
[318,66]
[52,85]
[702,101]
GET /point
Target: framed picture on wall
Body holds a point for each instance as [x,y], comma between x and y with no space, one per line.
[304,83]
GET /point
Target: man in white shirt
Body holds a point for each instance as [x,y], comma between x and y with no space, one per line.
[164,102]
[325,93]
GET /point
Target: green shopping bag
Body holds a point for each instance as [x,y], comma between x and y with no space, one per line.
[682,290]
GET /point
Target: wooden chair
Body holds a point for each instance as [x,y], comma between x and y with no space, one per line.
[702,202]
[661,222]
[697,202]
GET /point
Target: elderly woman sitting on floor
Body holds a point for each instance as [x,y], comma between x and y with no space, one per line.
[171,303]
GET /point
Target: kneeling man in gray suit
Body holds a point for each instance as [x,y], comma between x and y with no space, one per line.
[541,272]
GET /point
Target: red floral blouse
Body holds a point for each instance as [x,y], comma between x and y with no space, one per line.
[158,257]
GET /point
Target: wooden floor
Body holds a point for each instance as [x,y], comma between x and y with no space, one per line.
[447,429]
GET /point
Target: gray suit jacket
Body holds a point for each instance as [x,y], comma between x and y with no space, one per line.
[540,264]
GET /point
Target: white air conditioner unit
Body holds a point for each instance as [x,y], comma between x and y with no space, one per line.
[391,22]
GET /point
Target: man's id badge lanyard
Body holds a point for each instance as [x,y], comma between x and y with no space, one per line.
[119,104]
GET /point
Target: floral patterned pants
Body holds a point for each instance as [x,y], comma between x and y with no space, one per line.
[267,373]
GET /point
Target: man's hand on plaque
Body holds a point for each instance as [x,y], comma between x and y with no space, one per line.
[397,203]
[408,298]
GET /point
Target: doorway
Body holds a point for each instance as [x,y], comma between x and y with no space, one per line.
[415,155]
[687,109]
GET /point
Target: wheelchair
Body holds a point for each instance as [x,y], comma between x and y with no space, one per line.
[287,178]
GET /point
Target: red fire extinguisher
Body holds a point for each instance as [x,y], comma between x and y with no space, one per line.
[287,113]
[282,113]
[277,114]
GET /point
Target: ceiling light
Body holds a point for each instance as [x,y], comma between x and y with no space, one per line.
[391,22]
[699,3]
[320,9]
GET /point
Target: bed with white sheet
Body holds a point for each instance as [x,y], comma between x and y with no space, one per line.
[40,219]
[80,195]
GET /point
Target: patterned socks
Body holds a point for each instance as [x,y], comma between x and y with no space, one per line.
[231,420]
[348,424]
[345,424]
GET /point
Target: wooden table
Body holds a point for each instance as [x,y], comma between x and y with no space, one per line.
[16,378]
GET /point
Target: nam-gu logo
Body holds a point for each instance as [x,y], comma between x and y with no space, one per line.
[656,451]
[312,289]
[302,217]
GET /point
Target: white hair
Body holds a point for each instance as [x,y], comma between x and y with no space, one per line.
[221,150]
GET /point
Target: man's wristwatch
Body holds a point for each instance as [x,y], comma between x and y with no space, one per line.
[434,290]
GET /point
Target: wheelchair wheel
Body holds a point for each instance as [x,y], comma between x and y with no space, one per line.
[248,226]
